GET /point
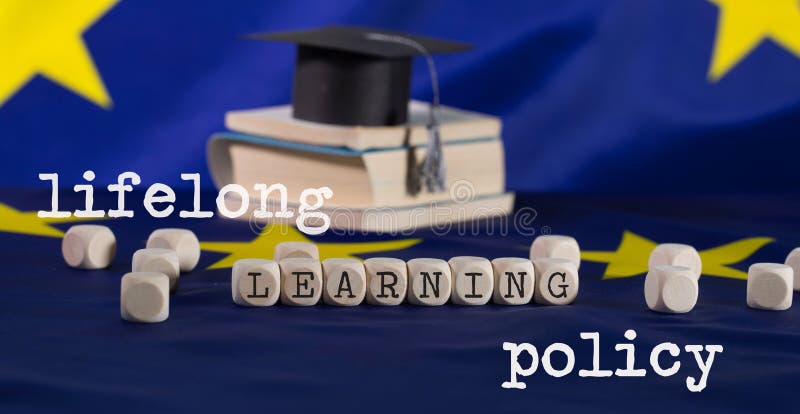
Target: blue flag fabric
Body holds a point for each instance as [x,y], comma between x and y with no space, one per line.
[64,347]
[650,96]
[646,96]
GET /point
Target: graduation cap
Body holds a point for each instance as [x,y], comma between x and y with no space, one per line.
[350,75]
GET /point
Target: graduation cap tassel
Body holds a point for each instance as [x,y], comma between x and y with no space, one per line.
[432,170]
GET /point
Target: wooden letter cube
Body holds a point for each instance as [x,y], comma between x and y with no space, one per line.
[429,282]
[182,241]
[556,281]
[144,297]
[301,281]
[769,286]
[287,250]
[473,280]
[387,279]
[671,289]
[345,282]
[793,261]
[89,246]
[554,246]
[255,282]
[160,261]
[674,254]
[514,280]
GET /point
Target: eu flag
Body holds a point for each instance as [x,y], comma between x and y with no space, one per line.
[626,124]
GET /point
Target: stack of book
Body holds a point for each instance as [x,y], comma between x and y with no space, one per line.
[371,170]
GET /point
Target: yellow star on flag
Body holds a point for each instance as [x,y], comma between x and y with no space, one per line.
[27,222]
[630,258]
[744,24]
[264,245]
[44,37]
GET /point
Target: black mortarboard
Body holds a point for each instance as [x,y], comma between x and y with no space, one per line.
[348,76]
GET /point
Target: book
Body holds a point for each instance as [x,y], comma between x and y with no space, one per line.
[359,178]
[395,220]
[277,122]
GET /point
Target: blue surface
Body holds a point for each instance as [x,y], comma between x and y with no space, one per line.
[64,348]
[598,96]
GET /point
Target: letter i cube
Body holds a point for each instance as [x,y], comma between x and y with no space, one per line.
[473,280]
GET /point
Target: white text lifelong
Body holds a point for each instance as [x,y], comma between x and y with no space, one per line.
[159,199]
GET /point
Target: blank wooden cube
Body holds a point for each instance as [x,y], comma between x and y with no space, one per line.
[345,282]
[769,286]
[144,297]
[89,246]
[793,261]
[301,281]
[255,282]
[387,279]
[674,254]
[555,246]
[429,282]
[473,280]
[287,250]
[556,281]
[160,261]
[182,241]
[514,280]
[671,289]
